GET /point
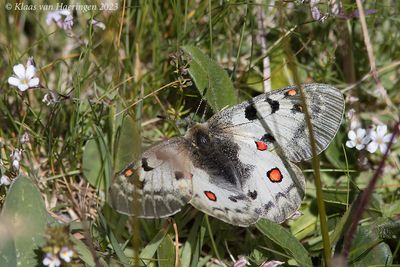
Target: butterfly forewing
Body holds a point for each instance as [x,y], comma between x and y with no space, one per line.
[160,182]
[277,119]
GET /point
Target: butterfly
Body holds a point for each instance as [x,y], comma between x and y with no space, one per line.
[239,165]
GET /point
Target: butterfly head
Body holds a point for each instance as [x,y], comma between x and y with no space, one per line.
[199,136]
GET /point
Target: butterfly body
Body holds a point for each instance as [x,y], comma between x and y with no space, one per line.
[237,166]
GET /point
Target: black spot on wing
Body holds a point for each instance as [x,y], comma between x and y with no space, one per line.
[268,138]
[238,211]
[236,198]
[252,195]
[145,165]
[297,108]
[233,199]
[269,205]
[250,112]
[274,105]
[179,175]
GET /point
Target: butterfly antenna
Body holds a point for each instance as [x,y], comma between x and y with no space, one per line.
[199,106]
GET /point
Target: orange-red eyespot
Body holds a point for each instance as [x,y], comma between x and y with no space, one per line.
[210,195]
[261,145]
[128,172]
[275,175]
[291,92]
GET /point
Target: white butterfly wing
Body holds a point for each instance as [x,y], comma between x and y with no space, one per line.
[217,178]
[276,186]
[162,180]
[277,119]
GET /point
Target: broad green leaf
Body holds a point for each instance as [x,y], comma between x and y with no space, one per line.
[114,242]
[189,248]
[128,143]
[305,225]
[211,80]
[286,240]
[83,251]
[96,163]
[148,252]
[166,252]
[336,195]
[368,249]
[8,256]
[25,217]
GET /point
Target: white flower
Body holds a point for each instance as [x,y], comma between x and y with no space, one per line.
[357,139]
[62,18]
[24,77]
[315,13]
[15,165]
[16,154]
[4,180]
[66,254]
[51,260]
[379,139]
[16,157]
[97,24]
[24,138]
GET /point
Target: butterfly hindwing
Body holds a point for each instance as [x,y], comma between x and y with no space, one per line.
[277,119]
[276,186]
[161,178]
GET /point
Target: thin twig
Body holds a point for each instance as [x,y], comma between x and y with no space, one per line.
[370,52]
[365,196]
[261,36]
[176,243]
[121,25]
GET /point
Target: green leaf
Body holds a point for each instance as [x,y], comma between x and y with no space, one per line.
[166,252]
[83,251]
[191,247]
[286,240]
[8,254]
[25,217]
[128,143]
[148,252]
[114,242]
[334,152]
[96,163]
[368,249]
[211,80]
